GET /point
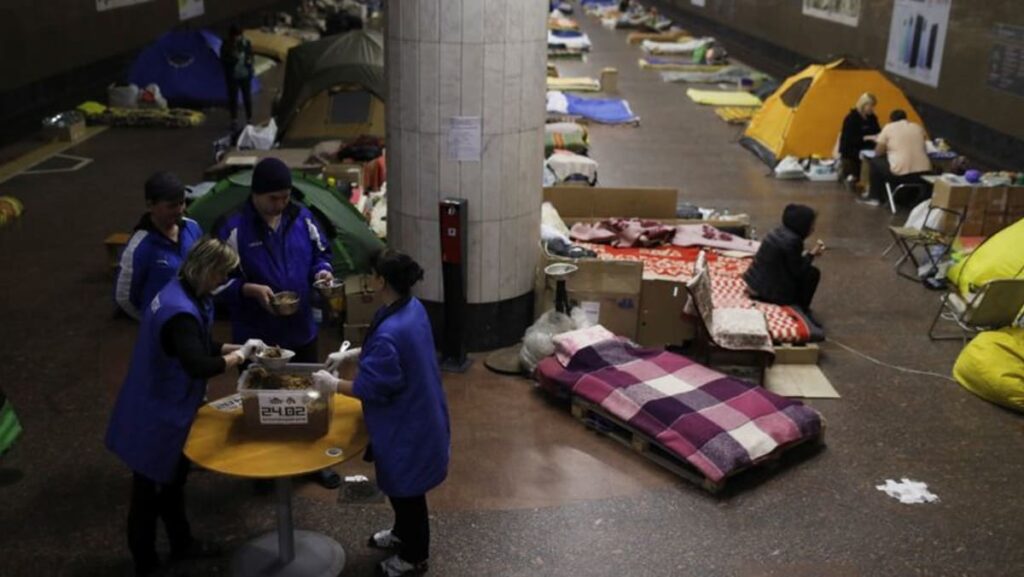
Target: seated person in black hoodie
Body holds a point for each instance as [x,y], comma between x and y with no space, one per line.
[783,272]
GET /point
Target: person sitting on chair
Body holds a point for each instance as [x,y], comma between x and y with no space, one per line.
[900,157]
[860,131]
[783,272]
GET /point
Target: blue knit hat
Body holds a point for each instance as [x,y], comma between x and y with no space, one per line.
[271,175]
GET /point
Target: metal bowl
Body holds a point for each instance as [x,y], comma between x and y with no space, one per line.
[285,303]
[278,362]
[333,294]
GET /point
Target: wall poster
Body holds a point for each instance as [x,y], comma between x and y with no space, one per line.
[842,11]
[104,5]
[701,3]
[1006,64]
[190,9]
[917,39]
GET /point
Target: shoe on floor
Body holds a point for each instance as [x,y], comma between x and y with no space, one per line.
[395,566]
[327,478]
[869,202]
[199,549]
[384,540]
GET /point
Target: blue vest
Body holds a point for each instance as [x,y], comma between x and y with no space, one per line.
[285,260]
[158,400]
[404,405]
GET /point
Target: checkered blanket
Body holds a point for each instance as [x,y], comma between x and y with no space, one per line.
[676,264]
[718,424]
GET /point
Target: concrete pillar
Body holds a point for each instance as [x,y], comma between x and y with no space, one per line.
[469,58]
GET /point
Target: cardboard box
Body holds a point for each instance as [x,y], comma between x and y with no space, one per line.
[608,291]
[285,413]
[951,195]
[70,133]
[361,303]
[345,172]
[662,322]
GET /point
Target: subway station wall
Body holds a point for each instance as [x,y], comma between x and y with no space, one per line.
[963,87]
[40,39]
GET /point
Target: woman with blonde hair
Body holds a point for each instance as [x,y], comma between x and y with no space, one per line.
[860,129]
[166,383]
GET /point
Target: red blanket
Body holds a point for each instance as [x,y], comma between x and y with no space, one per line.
[676,264]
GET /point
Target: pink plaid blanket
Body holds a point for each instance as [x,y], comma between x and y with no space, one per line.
[718,424]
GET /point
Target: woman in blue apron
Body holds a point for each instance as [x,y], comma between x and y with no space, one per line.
[165,386]
[399,384]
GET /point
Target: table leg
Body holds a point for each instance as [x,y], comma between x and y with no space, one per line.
[285,527]
[287,552]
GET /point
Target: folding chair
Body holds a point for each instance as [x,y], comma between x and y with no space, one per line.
[939,233]
[891,191]
[728,330]
[997,304]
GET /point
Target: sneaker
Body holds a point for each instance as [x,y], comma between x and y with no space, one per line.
[395,566]
[384,540]
[869,202]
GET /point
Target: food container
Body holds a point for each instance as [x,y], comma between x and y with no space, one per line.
[284,403]
[285,303]
[333,294]
[274,357]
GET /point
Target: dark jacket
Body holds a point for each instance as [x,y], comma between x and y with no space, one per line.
[287,259]
[855,128]
[779,267]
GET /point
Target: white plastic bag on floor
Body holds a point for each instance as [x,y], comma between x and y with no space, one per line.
[123,96]
[789,168]
[538,342]
[258,137]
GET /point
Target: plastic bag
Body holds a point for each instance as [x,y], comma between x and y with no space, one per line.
[538,343]
[258,137]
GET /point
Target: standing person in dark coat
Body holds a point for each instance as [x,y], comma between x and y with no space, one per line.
[783,272]
[860,130]
[237,58]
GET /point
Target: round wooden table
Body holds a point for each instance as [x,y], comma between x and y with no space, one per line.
[218,442]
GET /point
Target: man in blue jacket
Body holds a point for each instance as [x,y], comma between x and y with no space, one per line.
[158,246]
[282,248]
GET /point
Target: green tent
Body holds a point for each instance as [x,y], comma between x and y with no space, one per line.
[352,241]
[10,428]
[353,58]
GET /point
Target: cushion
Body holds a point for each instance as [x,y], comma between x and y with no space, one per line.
[992,367]
[566,344]
[740,329]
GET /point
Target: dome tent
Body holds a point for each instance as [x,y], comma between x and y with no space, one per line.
[352,241]
[804,116]
[186,65]
[334,88]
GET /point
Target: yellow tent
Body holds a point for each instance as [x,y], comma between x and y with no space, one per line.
[805,115]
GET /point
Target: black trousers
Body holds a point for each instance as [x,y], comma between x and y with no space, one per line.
[881,173]
[412,527]
[151,501]
[234,85]
[850,167]
[808,285]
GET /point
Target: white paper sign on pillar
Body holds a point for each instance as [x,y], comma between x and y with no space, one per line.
[464,138]
[190,9]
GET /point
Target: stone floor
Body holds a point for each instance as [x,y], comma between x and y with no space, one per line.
[530,491]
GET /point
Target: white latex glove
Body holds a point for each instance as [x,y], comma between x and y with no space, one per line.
[326,382]
[336,360]
[251,348]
